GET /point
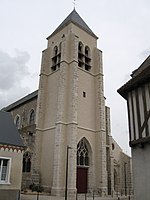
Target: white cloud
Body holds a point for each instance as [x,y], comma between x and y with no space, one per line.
[12,73]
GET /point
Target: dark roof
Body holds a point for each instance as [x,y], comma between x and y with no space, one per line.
[74,18]
[142,67]
[21,101]
[9,134]
[139,76]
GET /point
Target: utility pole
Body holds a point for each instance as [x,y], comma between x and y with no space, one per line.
[66,187]
[125,179]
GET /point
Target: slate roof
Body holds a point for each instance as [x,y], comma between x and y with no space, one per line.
[21,101]
[140,76]
[9,134]
[74,18]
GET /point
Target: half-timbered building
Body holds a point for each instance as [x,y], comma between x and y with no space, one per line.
[137,93]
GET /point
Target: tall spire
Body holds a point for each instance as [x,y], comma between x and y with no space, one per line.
[74,18]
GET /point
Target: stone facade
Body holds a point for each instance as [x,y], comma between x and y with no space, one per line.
[70,111]
[122,165]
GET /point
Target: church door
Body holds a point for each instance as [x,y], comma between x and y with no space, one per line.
[82,180]
[82,166]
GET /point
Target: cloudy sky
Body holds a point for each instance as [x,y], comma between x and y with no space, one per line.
[124,37]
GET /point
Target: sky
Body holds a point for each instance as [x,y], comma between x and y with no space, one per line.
[124,37]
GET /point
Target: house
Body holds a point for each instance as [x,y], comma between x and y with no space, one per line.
[11,155]
[137,94]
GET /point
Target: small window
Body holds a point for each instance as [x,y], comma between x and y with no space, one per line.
[84,94]
[4,170]
[113,146]
[17,121]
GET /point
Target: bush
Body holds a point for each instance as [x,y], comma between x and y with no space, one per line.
[36,188]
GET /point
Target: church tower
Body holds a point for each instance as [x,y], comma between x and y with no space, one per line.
[71,112]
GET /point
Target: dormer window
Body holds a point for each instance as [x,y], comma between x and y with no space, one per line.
[56,58]
[84,59]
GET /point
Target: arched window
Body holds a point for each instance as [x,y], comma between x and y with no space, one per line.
[17,121]
[87,58]
[32,117]
[55,50]
[80,47]
[26,162]
[87,51]
[60,47]
[80,55]
[84,59]
[82,153]
[56,58]
[115,180]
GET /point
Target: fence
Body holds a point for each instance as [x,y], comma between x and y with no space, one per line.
[96,197]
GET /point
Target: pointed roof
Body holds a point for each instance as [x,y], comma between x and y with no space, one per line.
[9,134]
[74,18]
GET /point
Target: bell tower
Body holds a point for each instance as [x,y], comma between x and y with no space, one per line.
[71,111]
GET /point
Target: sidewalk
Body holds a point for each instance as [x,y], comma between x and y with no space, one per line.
[41,197]
[44,197]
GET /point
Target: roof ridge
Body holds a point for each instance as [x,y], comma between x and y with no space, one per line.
[20,101]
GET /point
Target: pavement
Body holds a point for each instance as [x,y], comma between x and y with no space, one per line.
[40,197]
[47,197]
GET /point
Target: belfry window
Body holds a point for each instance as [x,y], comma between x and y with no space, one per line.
[56,59]
[82,153]
[80,55]
[87,58]
[80,47]
[26,162]
[84,60]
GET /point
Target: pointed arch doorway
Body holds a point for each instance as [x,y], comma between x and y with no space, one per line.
[82,166]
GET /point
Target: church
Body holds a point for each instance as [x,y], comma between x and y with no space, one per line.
[65,124]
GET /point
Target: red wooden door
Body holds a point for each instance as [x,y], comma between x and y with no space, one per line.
[82,180]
